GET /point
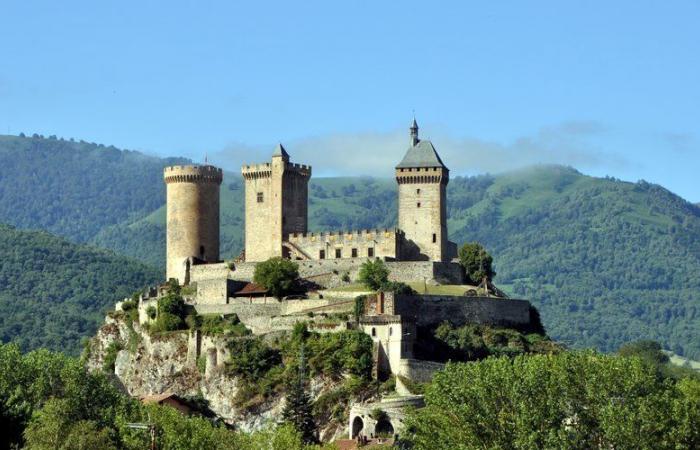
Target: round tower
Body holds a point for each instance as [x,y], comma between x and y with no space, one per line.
[192,218]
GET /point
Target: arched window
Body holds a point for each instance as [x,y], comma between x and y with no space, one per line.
[390,331]
[374,332]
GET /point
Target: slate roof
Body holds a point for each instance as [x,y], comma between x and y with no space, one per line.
[423,154]
[280,151]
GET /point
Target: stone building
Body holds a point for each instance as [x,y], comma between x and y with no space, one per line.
[192,218]
[276,213]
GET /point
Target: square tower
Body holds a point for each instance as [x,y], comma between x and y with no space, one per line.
[276,205]
[422,179]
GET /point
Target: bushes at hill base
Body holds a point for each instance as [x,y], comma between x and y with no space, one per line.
[473,342]
[278,275]
[568,400]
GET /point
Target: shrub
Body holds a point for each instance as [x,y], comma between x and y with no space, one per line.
[128,305]
[359,308]
[252,358]
[151,312]
[111,355]
[277,275]
[398,288]
[476,261]
[373,274]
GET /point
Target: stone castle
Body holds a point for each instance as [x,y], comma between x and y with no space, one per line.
[276,214]
[276,225]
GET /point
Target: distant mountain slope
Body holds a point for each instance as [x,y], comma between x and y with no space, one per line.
[53,292]
[74,189]
[605,261]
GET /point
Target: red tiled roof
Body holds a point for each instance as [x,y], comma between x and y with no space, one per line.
[252,288]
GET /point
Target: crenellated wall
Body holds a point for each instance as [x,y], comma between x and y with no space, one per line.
[380,243]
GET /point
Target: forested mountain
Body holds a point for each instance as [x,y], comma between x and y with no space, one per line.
[53,293]
[606,261]
[74,189]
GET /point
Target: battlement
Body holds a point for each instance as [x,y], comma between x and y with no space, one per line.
[193,174]
[407,175]
[367,233]
[264,170]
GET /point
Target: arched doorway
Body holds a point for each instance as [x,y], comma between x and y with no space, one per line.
[357,426]
[384,428]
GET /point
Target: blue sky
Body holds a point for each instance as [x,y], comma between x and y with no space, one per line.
[612,88]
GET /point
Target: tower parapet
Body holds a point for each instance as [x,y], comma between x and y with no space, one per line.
[192,217]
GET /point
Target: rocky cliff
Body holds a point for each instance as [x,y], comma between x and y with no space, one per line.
[147,364]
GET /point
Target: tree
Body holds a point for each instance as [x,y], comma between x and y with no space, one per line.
[298,406]
[568,400]
[476,261]
[277,275]
[374,274]
[647,350]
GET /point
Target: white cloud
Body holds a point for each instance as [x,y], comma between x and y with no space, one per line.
[376,154]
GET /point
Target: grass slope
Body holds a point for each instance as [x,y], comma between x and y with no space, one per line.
[53,292]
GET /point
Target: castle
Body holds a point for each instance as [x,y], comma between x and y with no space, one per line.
[276,225]
[276,214]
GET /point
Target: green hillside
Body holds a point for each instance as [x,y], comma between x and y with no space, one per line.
[74,189]
[605,261]
[53,293]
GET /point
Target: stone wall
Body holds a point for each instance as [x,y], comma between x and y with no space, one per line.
[364,243]
[429,310]
[216,290]
[208,271]
[418,370]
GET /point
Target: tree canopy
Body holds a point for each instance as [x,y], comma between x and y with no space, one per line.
[476,261]
[278,275]
[567,400]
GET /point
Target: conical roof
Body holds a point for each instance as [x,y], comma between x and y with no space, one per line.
[280,151]
[423,154]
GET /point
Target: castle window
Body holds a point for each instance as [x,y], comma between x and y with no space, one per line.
[354,253]
[322,254]
[260,197]
[418,205]
[370,252]
[374,332]
[417,191]
[338,253]
[434,238]
[390,331]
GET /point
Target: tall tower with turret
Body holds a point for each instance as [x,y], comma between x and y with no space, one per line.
[422,179]
[276,205]
[192,218]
